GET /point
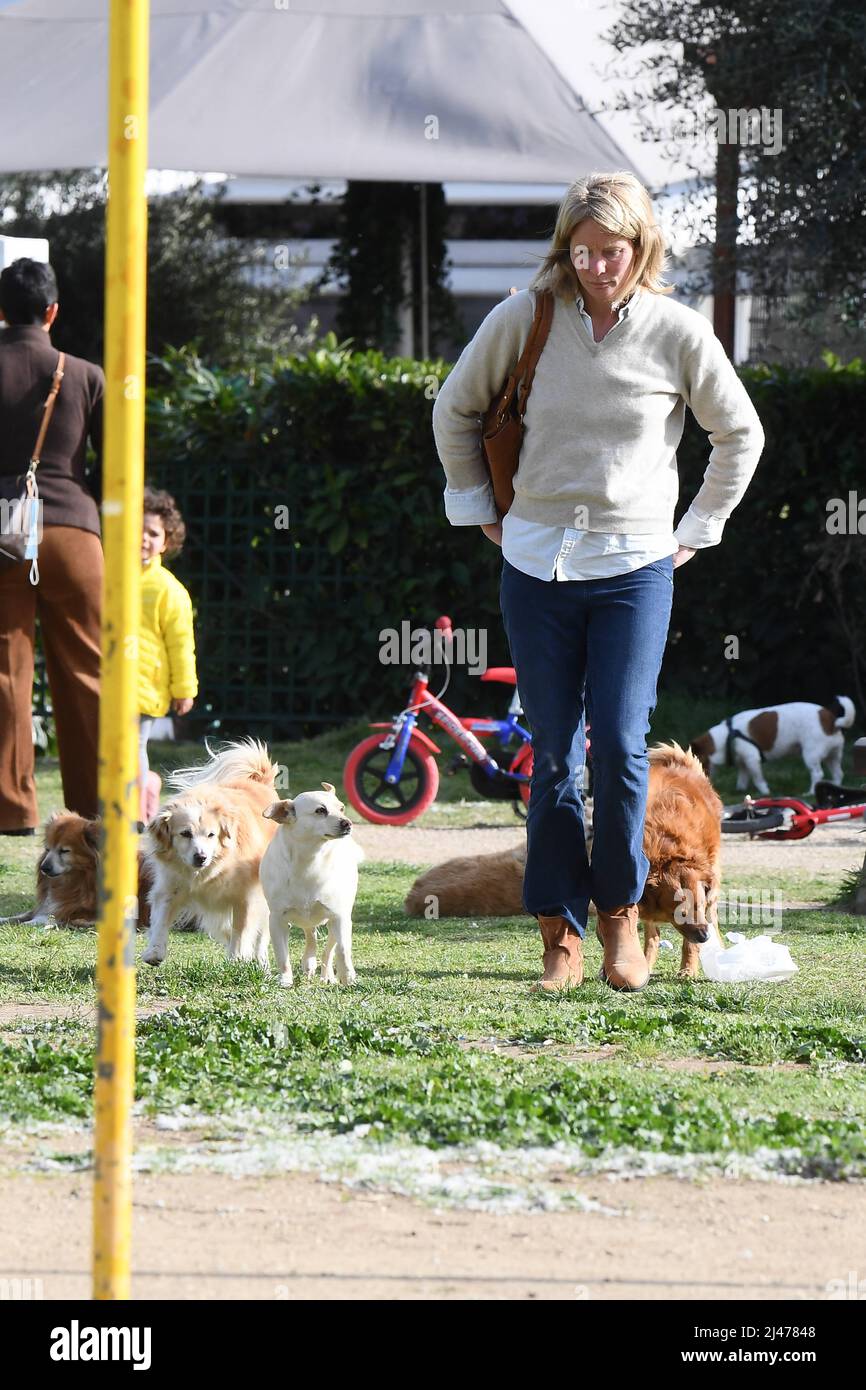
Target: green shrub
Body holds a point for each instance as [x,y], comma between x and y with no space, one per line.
[289,617]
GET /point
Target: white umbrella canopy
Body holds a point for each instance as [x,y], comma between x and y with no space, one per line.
[390,90]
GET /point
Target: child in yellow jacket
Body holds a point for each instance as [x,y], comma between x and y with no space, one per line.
[167,676]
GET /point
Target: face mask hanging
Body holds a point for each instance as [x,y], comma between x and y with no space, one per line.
[19,541]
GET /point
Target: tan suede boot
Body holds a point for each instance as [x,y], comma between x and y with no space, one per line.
[625,966]
[563,955]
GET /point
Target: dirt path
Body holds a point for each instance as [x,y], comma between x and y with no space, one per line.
[433,844]
[207,1236]
[831,849]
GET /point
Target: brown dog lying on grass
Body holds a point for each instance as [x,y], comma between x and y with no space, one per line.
[67,875]
[682,840]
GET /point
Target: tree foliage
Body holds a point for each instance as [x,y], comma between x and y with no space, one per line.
[379,231]
[801,205]
[205,289]
[343,440]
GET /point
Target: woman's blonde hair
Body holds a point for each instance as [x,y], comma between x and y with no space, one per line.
[621,205]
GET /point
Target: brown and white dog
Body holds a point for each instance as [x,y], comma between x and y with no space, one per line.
[204,849]
[747,739]
[67,875]
[682,840]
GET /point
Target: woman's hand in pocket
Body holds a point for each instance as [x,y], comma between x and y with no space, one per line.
[684,553]
[493,532]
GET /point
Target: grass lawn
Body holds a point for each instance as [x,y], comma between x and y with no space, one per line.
[441,1044]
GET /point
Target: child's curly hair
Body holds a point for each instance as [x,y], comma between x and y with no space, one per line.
[163,505]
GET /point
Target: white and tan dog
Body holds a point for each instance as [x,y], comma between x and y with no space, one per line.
[310,877]
[204,849]
[747,739]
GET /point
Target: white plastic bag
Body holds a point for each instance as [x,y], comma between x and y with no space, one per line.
[752,958]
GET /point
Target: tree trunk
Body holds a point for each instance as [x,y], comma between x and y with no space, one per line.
[725,249]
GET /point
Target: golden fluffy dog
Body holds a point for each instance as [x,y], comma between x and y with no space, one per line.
[67,874]
[682,840]
[204,849]
[478,885]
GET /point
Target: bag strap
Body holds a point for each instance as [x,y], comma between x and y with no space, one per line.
[534,347]
[47,412]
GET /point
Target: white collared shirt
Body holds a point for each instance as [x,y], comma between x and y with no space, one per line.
[556,552]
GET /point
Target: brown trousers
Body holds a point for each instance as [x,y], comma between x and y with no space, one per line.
[67,601]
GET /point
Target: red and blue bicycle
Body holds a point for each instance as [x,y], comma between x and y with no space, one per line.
[393,779]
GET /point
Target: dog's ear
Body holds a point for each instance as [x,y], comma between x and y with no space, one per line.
[160,828]
[702,746]
[698,889]
[281,811]
[226,829]
[326,786]
[58,818]
[93,835]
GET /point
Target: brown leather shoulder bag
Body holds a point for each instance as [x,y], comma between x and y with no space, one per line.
[502,424]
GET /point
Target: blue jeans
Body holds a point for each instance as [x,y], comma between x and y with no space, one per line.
[587,646]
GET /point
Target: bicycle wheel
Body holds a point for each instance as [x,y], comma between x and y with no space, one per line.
[523,764]
[751,820]
[386,803]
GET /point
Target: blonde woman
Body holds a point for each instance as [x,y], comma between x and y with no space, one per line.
[589,549]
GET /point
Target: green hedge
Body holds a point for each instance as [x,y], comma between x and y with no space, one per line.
[779,581]
[288,619]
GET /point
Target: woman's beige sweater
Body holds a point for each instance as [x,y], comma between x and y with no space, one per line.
[604,419]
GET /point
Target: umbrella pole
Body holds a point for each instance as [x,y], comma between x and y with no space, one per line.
[125,295]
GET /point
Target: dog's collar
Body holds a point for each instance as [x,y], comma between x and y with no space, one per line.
[737,733]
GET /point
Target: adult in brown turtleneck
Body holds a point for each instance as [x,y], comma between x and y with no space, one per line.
[67,598]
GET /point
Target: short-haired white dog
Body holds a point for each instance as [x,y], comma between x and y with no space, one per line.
[309,874]
[777,731]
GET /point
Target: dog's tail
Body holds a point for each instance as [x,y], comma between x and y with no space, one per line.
[672,755]
[843,711]
[247,760]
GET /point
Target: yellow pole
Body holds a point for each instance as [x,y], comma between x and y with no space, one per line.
[123,472]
